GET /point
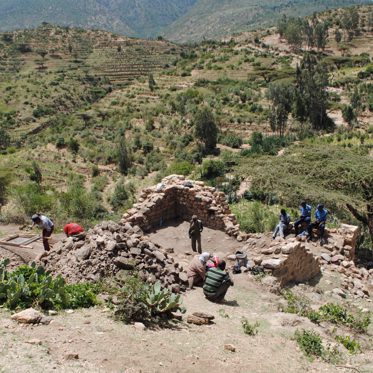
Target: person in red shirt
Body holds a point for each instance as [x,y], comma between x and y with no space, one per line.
[72,229]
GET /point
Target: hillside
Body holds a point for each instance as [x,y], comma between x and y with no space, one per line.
[132,18]
[100,116]
[210,19]
[181,20]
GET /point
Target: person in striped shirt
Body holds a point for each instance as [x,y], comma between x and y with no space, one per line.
[216,283]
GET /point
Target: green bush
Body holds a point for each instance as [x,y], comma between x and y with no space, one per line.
[32,286]
[122,196]
[248,328]
[211,169]
[180,168]
[254,217]
[139,301]
[231,139]
[309,342]
[349,343]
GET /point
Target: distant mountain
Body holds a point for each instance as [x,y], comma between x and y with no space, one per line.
[143,18]
[209,19]
[178,20]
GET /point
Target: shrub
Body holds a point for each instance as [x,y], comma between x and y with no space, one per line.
[180,168]
[254,217]
[309,342]
[211,168]
[32,286]
[248,328]
[122,195]
[231,139]
[349,343]
[339,315]
[139,301]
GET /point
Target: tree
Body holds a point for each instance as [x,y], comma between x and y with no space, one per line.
[281,97]
[206,129]
[5,178]
[73,146]
[294,33]
[151,82]
[338,36]
[348,114]
[321,35]
[35,173]
[310,94]
[365,218]
[4,138]
[124,156]
[350,22]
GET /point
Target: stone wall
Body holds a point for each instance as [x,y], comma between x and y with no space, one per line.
[178,198]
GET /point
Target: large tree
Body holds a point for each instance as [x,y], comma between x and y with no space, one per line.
[310,95]
[206,128]
[281,97]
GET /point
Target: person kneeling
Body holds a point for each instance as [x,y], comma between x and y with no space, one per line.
[217,283]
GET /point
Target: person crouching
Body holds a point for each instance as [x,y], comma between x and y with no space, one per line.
[197,269]
[217,283]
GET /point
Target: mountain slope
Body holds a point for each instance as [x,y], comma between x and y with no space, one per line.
[178,20]
[216,18]
[130,17]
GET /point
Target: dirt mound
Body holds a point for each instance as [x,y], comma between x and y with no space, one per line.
[109,248]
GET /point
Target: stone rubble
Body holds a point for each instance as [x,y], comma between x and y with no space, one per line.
[109,248]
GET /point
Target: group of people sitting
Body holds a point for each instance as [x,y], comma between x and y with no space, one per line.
[304,221]
[209,271]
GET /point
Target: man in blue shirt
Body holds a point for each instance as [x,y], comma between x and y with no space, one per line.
[305,216]
[321,214]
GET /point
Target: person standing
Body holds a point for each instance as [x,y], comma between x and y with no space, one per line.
[47,226]
[195,229]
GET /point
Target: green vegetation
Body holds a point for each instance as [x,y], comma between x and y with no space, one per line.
[139,301]
[311,344]
[330,312]
[349,343]
[249,328]
[31,286]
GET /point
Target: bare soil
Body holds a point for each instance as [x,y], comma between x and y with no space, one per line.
[106,345]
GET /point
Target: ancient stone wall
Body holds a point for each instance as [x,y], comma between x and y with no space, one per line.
[178,198]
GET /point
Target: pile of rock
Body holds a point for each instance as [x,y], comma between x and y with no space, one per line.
[289,261]
[178,198]
[109,248]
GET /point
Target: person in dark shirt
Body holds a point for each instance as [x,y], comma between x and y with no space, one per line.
[195,229]
[216,283]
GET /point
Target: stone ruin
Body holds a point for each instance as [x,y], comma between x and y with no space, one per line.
[110,248]
[178,198]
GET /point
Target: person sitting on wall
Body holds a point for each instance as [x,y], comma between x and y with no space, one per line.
[321,215]
[305,216]
[283,225]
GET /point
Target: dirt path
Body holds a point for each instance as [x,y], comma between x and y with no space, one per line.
[176,236]
[104,345]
